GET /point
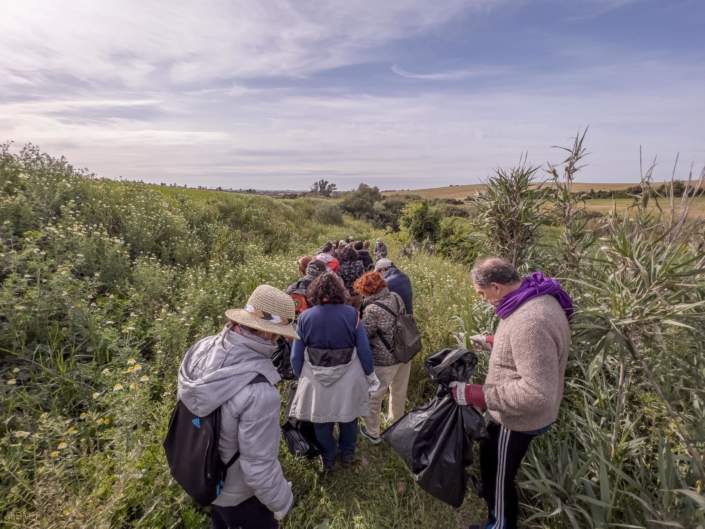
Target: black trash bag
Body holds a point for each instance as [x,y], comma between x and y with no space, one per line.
[436,439]
[300,436]
[282,359]
[450,365]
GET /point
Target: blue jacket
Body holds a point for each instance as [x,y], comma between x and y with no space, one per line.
[334,326]
[399,282]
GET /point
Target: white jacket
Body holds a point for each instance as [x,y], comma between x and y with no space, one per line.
[217,371]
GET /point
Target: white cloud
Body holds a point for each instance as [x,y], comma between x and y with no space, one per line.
[161,92]
[138,43]
[450,75]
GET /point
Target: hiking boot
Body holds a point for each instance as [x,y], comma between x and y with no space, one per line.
[371,438]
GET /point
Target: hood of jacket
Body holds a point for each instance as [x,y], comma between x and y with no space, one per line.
[217,367]
[383,296]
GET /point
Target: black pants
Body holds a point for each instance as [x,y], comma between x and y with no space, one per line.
[250,514]
[500,457]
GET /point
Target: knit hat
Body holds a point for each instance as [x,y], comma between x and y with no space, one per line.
[383,264]
[268,309]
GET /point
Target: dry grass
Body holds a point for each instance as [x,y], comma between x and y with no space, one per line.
[605,205]
[462,191]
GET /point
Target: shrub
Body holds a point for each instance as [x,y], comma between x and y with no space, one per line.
[421,222]
[458,240]
[329,214]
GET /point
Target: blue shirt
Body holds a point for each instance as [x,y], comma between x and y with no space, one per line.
[331,327]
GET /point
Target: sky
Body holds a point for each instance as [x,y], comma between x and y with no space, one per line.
[276,94]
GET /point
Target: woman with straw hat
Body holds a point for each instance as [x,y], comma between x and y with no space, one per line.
[233,371]
[333,361]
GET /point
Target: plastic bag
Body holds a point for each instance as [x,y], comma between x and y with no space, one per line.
[300,436]
[282,360]
[436,439]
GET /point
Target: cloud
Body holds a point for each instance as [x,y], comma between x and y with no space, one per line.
[181,43]
[256,94]
[450,75]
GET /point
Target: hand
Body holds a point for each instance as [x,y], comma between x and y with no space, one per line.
[279,515]
[373,382]
[480,341]
[468,394]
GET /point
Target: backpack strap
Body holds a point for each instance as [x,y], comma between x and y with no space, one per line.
[259,378]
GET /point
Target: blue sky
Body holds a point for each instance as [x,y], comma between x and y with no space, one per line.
[399,94]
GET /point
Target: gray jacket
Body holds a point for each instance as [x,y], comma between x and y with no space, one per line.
[217,371]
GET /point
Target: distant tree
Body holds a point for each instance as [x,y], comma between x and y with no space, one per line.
[323,187]
[360,203]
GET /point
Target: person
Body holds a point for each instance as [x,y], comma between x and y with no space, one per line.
[297,290]
[397,281]
[333,362]
[331,262]
[524,384]
[351,268]
[380,249]
[223,371]
[380,323]
[364,255]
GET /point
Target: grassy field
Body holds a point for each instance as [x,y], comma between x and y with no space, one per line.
[104,286]
[461,192]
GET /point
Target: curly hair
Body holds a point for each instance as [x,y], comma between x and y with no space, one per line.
[327,289]
[370,283]
[303,262]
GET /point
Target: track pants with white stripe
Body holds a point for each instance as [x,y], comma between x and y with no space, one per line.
[500,456]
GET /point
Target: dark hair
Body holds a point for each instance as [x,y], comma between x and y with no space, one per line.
[327,247]
[358,245]
[348,253]
[493,270]
[327,289]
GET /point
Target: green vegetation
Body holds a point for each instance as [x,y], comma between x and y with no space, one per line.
[103,286]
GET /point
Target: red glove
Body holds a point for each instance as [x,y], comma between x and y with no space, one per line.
[468,394]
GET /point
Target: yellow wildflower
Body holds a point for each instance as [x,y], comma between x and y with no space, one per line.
[144,378]
[54,454]
[117,387]
[11,382]
[62,446]
[19,434]
[131,362]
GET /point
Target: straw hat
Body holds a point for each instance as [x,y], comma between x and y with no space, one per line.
[268,309]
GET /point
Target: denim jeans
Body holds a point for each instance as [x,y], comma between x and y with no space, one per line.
[327,443]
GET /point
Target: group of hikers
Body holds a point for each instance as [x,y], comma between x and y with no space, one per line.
[341,316]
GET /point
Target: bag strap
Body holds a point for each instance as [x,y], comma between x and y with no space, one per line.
[259,378]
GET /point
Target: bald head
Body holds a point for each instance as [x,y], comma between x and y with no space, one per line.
[493,270]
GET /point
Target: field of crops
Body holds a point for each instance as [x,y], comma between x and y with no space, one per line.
[105,284]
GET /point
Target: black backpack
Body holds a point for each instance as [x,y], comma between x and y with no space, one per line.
[407,338]
[191,447]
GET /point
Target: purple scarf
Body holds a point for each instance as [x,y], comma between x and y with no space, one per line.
[533,286]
